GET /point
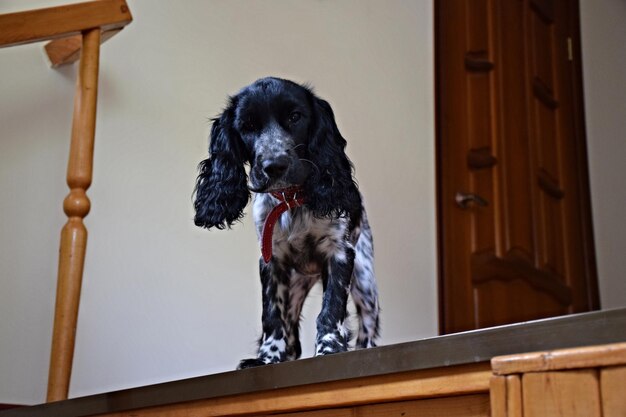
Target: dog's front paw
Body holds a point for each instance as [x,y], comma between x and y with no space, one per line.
[250,363]
[331,343]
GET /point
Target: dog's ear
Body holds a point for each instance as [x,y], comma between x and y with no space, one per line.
[331,188]
[221,191]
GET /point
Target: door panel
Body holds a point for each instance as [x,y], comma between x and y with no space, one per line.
[510,148]
[519,299]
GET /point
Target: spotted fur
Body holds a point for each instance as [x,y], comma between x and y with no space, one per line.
[288,137]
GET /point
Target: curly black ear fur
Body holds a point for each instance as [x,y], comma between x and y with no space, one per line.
[331,188]
[221,191]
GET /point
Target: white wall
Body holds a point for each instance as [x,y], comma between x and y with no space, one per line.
[603,26]
[162,299]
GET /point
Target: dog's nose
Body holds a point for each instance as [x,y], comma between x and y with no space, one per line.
[275,167]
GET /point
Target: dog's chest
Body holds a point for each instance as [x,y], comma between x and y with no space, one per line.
[302,241]
[299,235]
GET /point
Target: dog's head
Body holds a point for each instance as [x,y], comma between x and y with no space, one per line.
[289,137]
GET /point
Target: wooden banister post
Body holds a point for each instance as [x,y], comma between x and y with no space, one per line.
[76,206]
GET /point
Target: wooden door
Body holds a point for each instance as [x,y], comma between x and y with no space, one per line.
[514,213]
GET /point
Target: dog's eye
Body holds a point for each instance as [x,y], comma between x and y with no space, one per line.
[294,117]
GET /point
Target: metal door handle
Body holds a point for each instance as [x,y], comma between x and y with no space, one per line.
[463,200]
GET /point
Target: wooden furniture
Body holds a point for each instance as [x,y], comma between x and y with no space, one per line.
[585,382]
[76,32]
[449,376]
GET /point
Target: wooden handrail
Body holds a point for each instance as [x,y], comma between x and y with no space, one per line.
[62,21]
[63,25]
[77,31]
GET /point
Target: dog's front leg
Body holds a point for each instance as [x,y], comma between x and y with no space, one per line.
[273,344]
[332,336]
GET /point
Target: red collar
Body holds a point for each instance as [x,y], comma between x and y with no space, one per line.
[289,198]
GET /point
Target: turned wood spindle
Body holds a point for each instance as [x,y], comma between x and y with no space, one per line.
[76,206]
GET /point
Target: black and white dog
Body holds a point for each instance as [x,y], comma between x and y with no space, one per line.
[307,208]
